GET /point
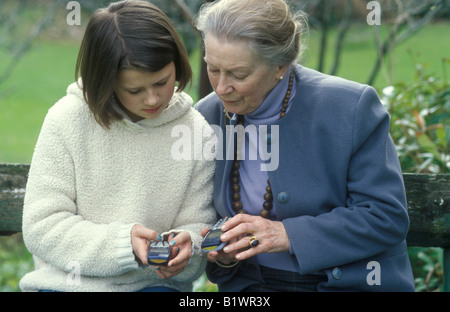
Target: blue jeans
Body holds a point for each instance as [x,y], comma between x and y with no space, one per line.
[158,289]
[147,289]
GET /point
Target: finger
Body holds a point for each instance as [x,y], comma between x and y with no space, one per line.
[236,220]
[204,231]
[173,250]
[239,231]
[178,256]
[162,273]
[179,239]
[140,237]
[159,273]
[169,271]
[183,249]
[250,252]
[143,232]
[241,249]
[176,267]
[182,254]
[237,244]
[212,256]
[241,225]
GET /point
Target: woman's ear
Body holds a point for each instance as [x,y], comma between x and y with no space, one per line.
[282,71]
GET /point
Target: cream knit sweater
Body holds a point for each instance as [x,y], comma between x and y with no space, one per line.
[88,186]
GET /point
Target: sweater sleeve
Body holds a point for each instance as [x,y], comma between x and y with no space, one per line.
[52,229]
[197,211]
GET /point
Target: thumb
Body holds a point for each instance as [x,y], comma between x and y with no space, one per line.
[140,235]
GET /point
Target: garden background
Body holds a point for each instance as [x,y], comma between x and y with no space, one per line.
[404,52]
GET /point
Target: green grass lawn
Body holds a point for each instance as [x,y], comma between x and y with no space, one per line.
[38,81]
[42,76]
[427,47]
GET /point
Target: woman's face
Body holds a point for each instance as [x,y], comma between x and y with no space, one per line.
[239,78]
[145,94]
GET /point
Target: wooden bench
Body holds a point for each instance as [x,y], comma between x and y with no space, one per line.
[428,207]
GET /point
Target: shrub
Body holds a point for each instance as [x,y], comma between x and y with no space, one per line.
[420,128]
[420,121]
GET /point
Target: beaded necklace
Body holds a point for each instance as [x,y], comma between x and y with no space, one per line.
[235,187]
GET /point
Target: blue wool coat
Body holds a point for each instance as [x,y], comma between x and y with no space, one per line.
[338,189]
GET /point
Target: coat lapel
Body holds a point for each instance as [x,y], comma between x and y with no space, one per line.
[223,169]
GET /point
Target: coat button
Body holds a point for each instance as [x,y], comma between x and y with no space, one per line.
[283,197]
[337,273]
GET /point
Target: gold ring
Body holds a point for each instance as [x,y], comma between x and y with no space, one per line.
[253,241]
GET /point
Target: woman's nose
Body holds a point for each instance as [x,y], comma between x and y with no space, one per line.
[223,85]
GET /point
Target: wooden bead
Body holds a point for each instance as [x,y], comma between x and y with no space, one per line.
[264,213]
[237,205]
[268,197]
[267,205]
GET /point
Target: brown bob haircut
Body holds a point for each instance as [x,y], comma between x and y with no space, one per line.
[126,35]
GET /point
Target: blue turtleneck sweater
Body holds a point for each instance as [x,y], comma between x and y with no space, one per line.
[253,180]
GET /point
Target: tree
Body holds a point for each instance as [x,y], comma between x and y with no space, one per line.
[10,18]
[410,17]
[403,18]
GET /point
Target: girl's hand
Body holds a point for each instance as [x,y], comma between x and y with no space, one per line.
[140,237]
[181,254]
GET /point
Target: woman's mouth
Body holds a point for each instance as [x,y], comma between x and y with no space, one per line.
[226,102]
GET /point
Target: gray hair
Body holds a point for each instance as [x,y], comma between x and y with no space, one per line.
[273,33]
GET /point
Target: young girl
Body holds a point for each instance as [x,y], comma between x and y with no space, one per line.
[102,183]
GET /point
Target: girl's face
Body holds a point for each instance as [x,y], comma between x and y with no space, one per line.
[144,94]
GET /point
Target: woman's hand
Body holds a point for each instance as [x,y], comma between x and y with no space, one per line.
[181,254]
[271,235]
[220,256]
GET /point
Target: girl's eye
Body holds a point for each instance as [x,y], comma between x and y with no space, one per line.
[161,84]
[134,91]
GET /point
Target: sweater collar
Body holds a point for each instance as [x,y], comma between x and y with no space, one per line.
[178,106]
[269,110]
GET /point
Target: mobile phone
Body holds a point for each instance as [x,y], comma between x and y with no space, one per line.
[212,241]
[159,253]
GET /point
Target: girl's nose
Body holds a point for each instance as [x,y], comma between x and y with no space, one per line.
[151,98]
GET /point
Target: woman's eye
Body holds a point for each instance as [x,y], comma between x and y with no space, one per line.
[214,71]
[240,75]
[237,77]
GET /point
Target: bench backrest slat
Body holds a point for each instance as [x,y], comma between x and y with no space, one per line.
[428,199]
[428,207]
[13,179]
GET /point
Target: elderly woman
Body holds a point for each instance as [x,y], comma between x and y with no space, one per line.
[330,214]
